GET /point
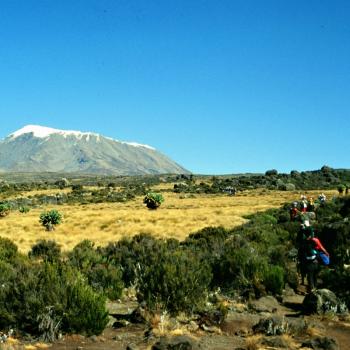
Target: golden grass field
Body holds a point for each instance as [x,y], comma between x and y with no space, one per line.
[178,216]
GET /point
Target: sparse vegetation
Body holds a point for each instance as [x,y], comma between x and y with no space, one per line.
[249,256]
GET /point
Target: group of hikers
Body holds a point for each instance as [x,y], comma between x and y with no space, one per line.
[311,252]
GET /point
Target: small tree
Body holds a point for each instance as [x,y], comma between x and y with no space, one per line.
[153,200]
[341,189]
[50,218]
[4,210]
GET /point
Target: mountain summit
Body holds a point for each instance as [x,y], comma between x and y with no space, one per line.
[35,148]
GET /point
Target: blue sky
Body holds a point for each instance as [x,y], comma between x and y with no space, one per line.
[219,86]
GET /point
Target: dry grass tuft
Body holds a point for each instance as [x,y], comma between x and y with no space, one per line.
[313,331]
[253,342]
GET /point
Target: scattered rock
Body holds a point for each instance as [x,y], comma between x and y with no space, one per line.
[120,323]
[275,342]
[321,343]
[131,346]
[265,304]
[210,329]
[181,342]
[275,325]
[297,326]
[323,301]
[213,317]
[192,326]
[93,338]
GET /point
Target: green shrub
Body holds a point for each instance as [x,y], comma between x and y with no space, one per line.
[8,250]
[289,187]
[84,256]
[47,250]
[240,268]
[129,254]
[47,299]
[153,200]
[23,209]
[106,279]
[4,209]
[175,281]
[50,218]
[271,172]
[341,188]
[85,310]
[103,276]
[274,279]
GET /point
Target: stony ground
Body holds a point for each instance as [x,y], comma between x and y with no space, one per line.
[236,332]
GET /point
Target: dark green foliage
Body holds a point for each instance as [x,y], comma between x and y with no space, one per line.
[240,267]
[57,293]
[50,218]
[84,256]
[4,209]
[85,311]
[129,254]
[274,279]
[271,172]
[103,276]
[341,188]
[107,279]
[8,250]
[47,250]
[153,200]
[175,281]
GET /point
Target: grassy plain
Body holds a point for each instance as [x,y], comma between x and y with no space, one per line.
[177,217]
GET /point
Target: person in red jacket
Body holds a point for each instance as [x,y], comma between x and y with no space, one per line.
[312,246]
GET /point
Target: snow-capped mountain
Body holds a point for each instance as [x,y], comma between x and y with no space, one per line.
[35,148]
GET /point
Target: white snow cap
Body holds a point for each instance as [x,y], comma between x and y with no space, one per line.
[43,132]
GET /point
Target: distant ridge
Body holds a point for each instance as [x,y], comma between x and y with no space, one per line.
[36,148]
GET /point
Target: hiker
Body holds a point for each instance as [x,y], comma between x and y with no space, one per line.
[322,198]
[311,249]
[301,236]
[311,205]
[303,204]
[293,211]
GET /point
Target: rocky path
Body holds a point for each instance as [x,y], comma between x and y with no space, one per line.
[261,324]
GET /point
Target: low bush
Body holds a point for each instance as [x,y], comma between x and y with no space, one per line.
[23,209]
[8,250]
[274,279]
[46,299]
[240,268]
[47,250]
[174,281]
[103,276]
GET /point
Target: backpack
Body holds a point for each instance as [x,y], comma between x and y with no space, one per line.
[323,258]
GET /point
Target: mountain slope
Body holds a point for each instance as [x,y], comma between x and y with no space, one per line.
[36,149]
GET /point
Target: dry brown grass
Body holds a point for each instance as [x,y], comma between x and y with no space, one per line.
[253,342]
[176,218]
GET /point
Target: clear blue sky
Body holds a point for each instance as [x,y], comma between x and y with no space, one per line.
[219,86]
